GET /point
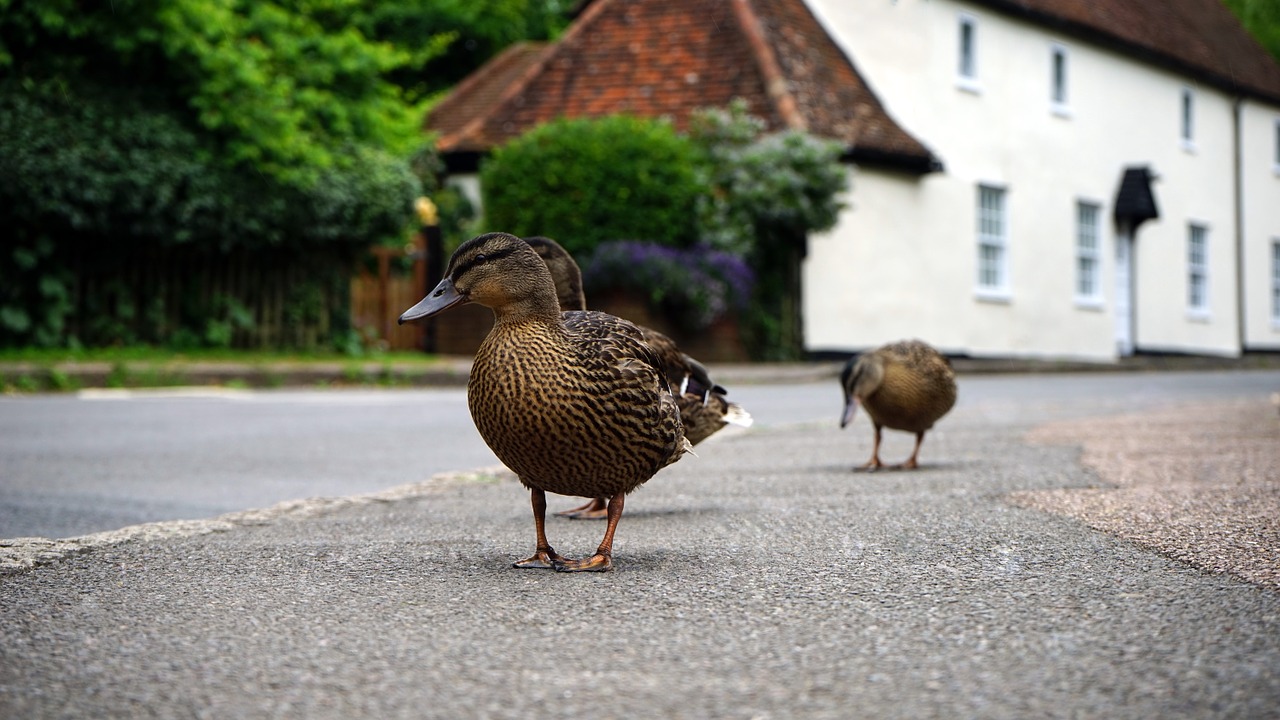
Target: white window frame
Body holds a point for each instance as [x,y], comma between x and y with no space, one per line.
[1187,119]
[1275,157]
[1059,82]
[1275,283]
[991,229]
[967,56]
[1088,255]
[1198,270]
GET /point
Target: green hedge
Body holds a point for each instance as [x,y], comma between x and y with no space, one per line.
[584,182]
[97,180]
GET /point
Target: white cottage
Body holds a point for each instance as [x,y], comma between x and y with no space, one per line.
[1035,178]
[1111,182]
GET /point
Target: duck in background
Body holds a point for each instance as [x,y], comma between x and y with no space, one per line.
[704,410]
[573,403]
[906,385]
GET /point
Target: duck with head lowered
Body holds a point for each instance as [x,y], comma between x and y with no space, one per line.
[906,385]
[573,403]
[704,410]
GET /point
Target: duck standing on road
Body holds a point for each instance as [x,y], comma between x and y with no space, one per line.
[905,385]
[703,407]
[573,403]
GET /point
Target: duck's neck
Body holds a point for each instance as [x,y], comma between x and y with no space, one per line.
[539,307]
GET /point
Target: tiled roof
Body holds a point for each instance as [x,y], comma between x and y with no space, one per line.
[668,58]
[479,95]
[1201,38]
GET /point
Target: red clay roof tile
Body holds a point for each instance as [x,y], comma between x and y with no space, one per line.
[667,58]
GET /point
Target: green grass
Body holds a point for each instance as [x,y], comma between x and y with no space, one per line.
[50,370]
[153,355]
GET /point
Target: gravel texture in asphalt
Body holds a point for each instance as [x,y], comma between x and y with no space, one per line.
[761,579]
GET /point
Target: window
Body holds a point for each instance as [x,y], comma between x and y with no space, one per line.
[1198,269]
[1058,79]
[1275,282]
[1088,250]
[1188,120]
[992,224]
[968,55]
[1276,159]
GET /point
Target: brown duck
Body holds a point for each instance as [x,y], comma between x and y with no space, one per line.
[905,385]
[703,407]
[573,403]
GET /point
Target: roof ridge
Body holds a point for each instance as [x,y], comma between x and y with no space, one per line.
[775,81]
[478,77]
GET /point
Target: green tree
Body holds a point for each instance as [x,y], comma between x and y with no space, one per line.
[1262,19]
[208,125]
[463,34]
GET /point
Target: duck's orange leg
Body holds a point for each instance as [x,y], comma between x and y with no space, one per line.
[594,510]
[911,463]
[544,557]
[603,559]
[874,462]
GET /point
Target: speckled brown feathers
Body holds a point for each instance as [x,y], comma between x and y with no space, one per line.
[574,408]
[703,408]
[906,385]
[574,404]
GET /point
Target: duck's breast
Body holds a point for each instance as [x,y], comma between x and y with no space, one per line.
[568,418]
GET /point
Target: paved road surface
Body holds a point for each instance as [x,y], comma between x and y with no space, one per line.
[761,579]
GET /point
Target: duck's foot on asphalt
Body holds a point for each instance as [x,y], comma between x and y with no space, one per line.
[595,563]
[541,560]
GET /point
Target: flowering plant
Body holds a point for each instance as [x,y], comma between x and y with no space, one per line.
[694,286]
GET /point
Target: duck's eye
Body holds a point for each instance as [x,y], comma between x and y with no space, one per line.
[481,258]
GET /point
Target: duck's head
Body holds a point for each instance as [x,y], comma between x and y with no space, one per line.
[497,270]
[859,376]
[564,271]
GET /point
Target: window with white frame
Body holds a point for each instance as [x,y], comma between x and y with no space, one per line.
[993,274]
[967,60]
[1187,121]
[1197,269]
[1275,282]
[1088,253]
[1058,78]
[1275,160]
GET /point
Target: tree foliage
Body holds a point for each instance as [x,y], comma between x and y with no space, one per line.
[276,88]
[1262,19]
[587,181]
[765,188]
[141,127]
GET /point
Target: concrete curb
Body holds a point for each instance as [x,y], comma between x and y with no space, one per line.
[453,371]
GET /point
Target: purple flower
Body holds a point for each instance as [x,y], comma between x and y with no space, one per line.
[696,286]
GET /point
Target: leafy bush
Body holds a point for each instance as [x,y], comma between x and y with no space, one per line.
[114,165]
[765,187]
[587,181]
[694,286]
[96,181]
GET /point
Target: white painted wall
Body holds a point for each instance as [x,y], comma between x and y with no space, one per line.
[1260,170]
[902,261]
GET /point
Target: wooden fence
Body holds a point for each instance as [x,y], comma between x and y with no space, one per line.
[378,299]
[184,296]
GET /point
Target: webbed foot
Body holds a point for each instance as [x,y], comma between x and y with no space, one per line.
[597,509]
[595,563]
[547,559]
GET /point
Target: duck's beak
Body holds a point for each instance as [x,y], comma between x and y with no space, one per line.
[850,407]
[442,298]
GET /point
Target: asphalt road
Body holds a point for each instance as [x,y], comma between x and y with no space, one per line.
[77,464]
[761,579]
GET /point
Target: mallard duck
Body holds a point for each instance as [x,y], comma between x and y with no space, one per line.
[703,407]
[905,385]
[573,403]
